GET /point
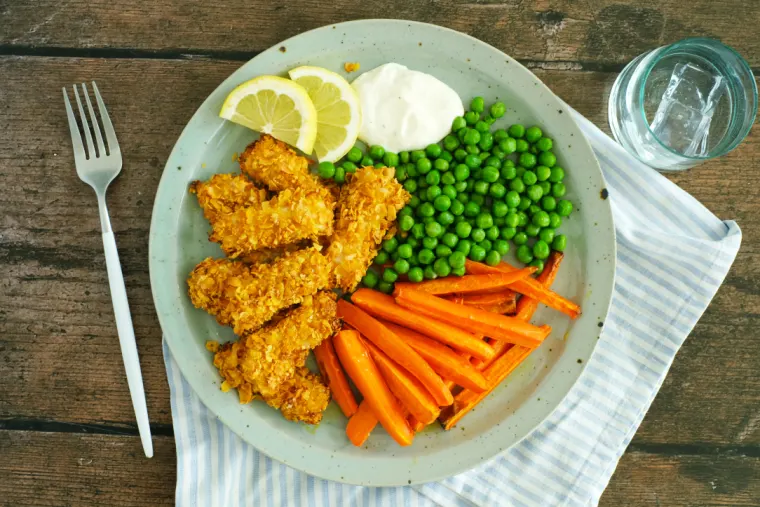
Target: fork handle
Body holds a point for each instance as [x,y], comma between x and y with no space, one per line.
[126,335]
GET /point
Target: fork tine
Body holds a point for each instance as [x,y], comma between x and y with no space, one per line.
[113,144]
[95,124]
[76,138]
[85,126]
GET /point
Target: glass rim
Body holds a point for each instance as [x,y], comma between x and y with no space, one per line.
[666,49]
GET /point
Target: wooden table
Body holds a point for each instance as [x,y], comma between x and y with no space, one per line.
[67,432]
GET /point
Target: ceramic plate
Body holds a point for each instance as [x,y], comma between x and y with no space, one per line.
[178,241]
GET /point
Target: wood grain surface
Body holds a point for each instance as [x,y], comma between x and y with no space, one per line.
[63,395]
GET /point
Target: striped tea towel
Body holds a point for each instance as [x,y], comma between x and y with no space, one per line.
[660,292]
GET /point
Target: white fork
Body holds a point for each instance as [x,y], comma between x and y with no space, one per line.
[98,166]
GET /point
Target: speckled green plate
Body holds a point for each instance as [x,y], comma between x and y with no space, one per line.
[178,240]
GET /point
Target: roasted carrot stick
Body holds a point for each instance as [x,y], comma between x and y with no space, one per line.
[361,424]
[408,390]
[498,327]
[363,371]
[527,306]
[498,371]
[528,287]
[468,283]
[396,349]
[332,372]
[507,296]
[447,363]
[415,424]
[383,306]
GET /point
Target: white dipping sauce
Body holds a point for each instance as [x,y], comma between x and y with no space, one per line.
[405,109]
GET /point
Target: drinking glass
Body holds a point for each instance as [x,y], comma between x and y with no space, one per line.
[682,104]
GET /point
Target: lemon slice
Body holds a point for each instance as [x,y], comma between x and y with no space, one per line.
[339,116]
[276,106]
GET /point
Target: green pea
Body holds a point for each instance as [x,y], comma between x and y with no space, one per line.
[367,161]
[390,275]
[376,152]
[520,238]
[450,239]
[546,235]
[401,174]
[508,145]
[507,232]
[422,183]
[471,209]
[559,243]
[564,208]
[527,160]
[450,143]
[498,109]
[520,171]
[370,279]
[512,199]
[543,173]
[390,245]
[354,155]
[492,233]
[425,255]
[516,131]
[448,178]
[411,170]
[478,104]
[463,197]
[546,187]
[433,229]
[522,219]
[349,167]
[548,203]
[459,271]
[414,202]
[499,208]
[492,162]
[481,127]
[430,273]
[340,175]
[405,223]
[493,258]
[512,219]
[457,208]
[486,140]
[394,256]
[415,275]
[558,189]
[460,154]
[547,158]
[525,203]
[521,146]
[401,266]
[433,150]
[442,250]
[410,186]
[539,265]
[471,117]
[557,174]
[432,192]
[529,178]
[433,177]
[461,172]
[390,159]
[477,253]
[499,135]
[478,235]
[440,165]
[463,229]
[481,187]
[445,218]
[458,123]
[404,157]
[498,152]
[544,144]
[540,249]
[478,199]
[532,230]
[441,267]
[501,246]
[484,220]
[449,191]
[418,231]
[555,221]
[405,251]
[541,219]
[457,259]
[535,193]
[533,134]
[490,120]
[533,209]
[516,184]
[426,210]
[326,170]
[472,161]
[384,287]
[524,254]
[464,246]
[490,174]
[472,137]
[424,165]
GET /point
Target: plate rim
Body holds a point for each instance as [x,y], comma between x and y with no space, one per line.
[207,393]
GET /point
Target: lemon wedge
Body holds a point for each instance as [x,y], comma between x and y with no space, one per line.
[339,116]
[276,106]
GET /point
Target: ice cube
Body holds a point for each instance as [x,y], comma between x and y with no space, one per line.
[680,127]
[695,87]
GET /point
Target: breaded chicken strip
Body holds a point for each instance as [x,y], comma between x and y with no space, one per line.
[367,207]
[270,362]
[276,165]
[247,297]
[225,193]
[269,255]
[293,215]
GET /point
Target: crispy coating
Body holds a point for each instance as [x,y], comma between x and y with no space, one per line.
[276,165]
[367,207]
[247,297]
[269,255]
[270,363]
[291,216]
[225,193]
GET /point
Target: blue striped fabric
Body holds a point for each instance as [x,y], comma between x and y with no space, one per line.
[673,254]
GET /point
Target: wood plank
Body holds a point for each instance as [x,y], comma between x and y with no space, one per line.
[65,469]
[57,337]
[650,480]
[55,469]
[598,31]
